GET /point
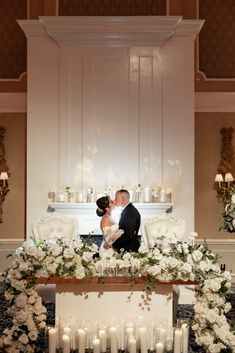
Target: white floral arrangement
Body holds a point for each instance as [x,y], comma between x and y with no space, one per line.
[164,262]
[229,211]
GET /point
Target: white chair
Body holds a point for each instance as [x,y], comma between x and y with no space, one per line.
[173,229]
[162,225]
[55,226]
[51,227]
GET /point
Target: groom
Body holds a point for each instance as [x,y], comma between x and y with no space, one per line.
[129,222]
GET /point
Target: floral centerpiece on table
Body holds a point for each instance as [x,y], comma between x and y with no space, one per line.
[229,211]
[164,262]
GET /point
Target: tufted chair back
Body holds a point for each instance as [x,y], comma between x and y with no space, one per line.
[152,228]
[55,226]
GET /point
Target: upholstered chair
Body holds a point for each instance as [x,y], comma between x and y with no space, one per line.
[172,228]
[51,227]
[153,228]
[55,226]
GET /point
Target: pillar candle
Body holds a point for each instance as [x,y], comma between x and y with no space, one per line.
[177,341]
[81,341]
[159,347]
[113,340]
[185,337]
[162,196]
[129,331]
[147,194]
[52,333]
[150,335]
[96,345]
[132,344]
[162,336]
[67,331]
[103,340]
[66,341]
[157,334]
[143,340]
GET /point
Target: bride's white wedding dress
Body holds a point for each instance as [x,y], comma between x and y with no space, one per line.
[110,234]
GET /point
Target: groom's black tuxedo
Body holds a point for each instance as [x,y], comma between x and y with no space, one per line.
[130,223]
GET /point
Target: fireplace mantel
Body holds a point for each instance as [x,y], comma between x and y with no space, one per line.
[85,213]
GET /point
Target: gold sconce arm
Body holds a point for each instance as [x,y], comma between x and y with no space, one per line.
[4,173]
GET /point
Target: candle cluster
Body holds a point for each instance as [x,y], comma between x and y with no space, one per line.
[138,195]
[130,335]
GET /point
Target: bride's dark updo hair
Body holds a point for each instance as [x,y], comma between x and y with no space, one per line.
[102,203]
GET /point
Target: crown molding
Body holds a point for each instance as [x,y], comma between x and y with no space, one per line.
[111,30]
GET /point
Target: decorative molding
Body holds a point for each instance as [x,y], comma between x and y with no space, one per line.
[112,30]
[215,101]
[14,85]
[89,208]
[211,241]
[13,102]
[4,241]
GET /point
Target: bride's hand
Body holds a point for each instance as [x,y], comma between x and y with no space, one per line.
[107,245]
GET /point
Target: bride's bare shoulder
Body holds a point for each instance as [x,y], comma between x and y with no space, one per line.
[105,222]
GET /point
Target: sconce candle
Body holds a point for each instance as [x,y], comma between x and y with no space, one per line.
[4,177]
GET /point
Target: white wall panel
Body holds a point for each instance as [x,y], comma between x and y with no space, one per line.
[111,102]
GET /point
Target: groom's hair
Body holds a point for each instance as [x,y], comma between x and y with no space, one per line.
[124,193]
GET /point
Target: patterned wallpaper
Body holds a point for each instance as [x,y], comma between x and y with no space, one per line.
[12,38]
[112,7]
[217,38]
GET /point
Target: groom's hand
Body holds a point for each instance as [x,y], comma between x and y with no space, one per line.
[107,245]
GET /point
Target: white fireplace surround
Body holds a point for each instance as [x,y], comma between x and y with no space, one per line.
[89,222]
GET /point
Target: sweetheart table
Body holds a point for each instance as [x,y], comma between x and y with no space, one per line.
[121,298]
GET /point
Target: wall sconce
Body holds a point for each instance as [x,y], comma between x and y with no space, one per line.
[224,180]
[223,186]
[3,172]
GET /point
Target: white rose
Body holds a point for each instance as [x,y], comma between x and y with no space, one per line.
[31,299]
[185,248]
[204,266]
[68,253]
[227,307]
[41,317]
[197,255]
[77,243]
[186,268]
[154,270]
[87,256]
[23,338]
[8,296]
[42,325]
[215,348]
[211,316]
[233,198]
[30,324]
[7,340]
[23,266]
[21,316]
[21,300]
[215,284]
[52,268]
[55,249]
[33,335]
[31,291]
[172,262]
[79,273]
[40,254]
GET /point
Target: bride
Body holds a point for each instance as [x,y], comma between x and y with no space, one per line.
[109,228]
